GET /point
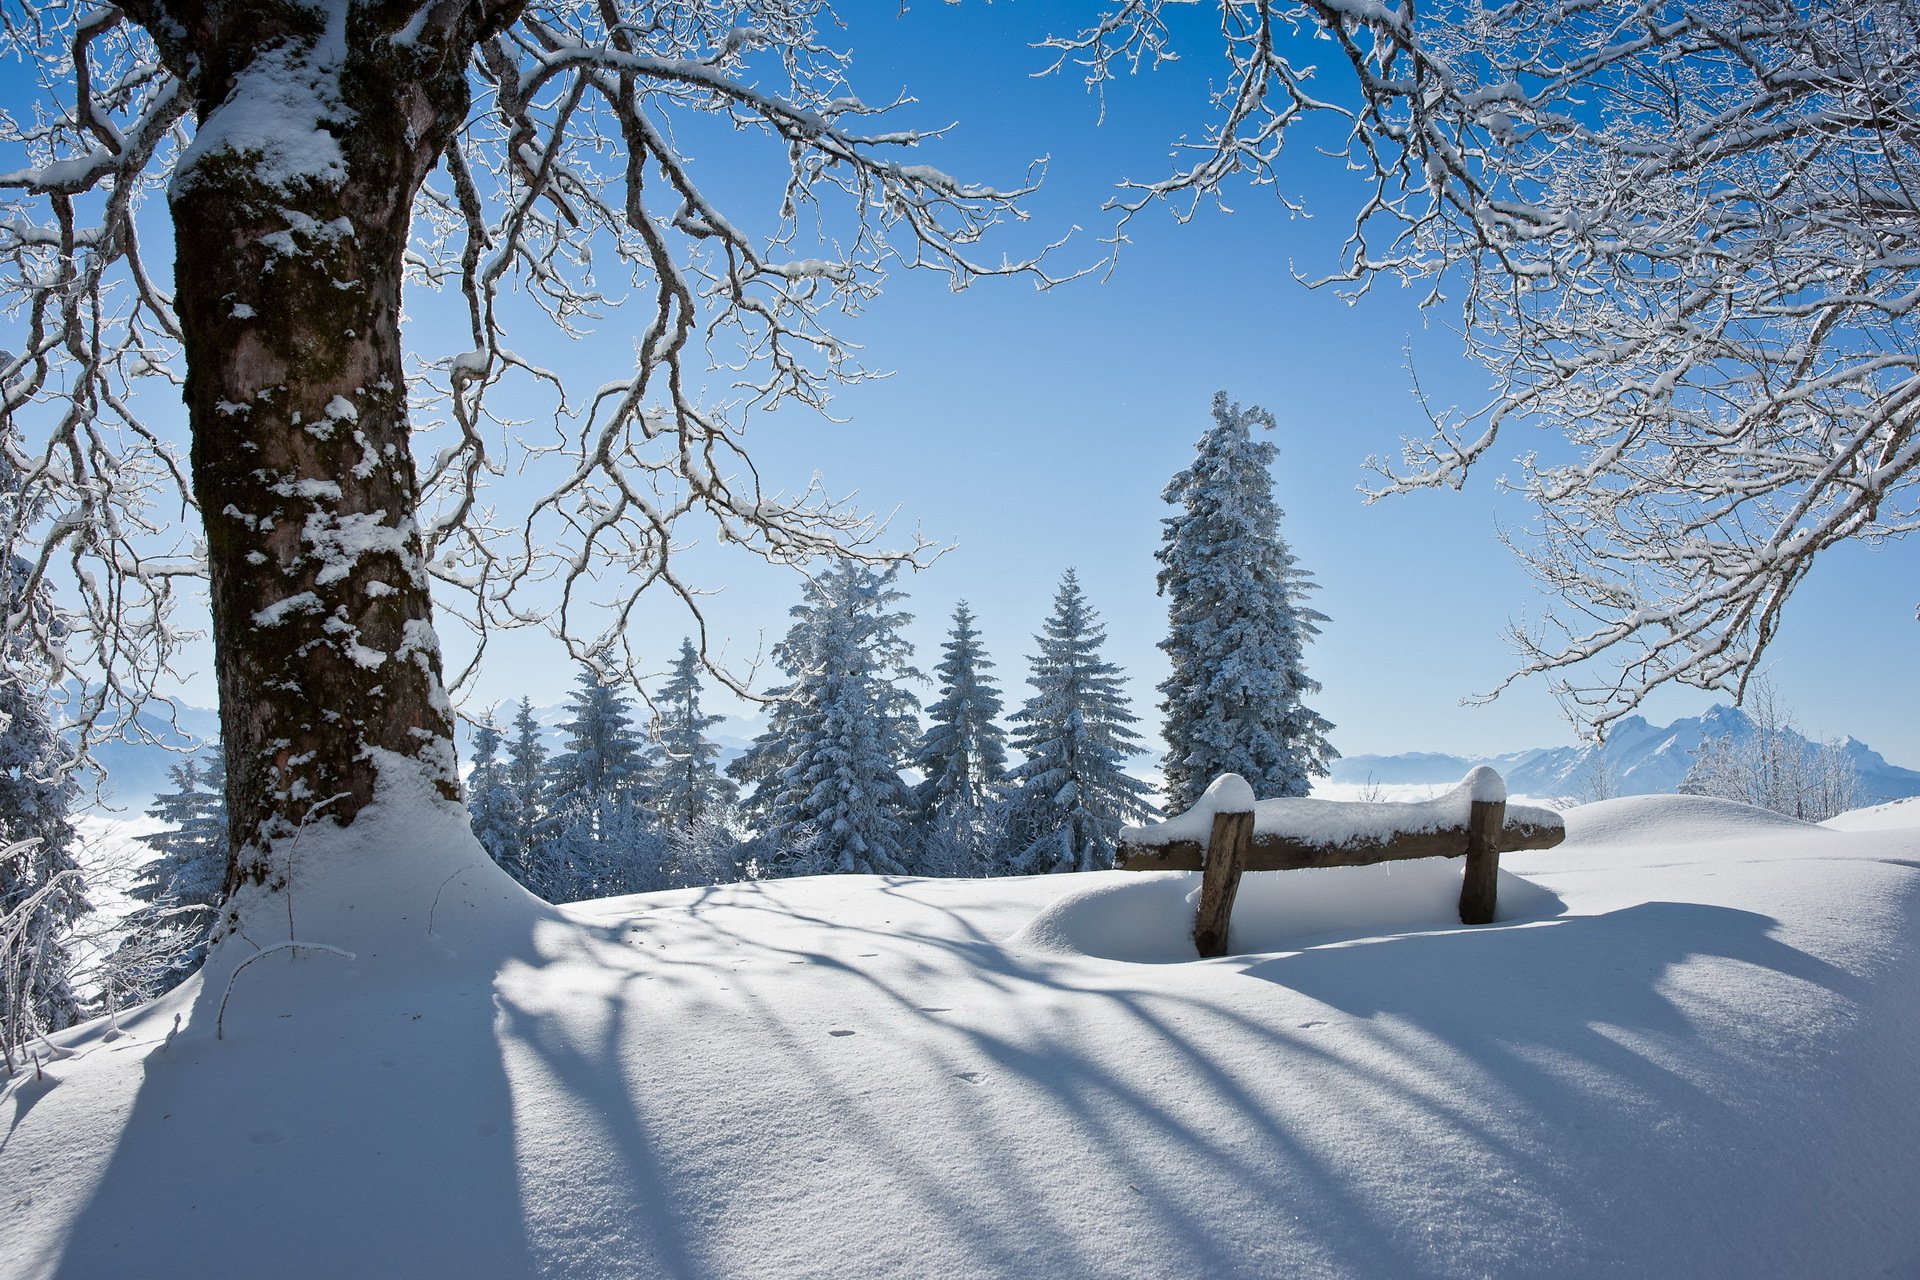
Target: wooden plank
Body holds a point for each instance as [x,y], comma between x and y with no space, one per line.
[1278,853]
[1529,835]
[1180,855]
[1478,883]
[1220,880]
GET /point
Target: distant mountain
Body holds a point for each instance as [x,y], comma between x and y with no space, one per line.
[136,772]
[1637,759]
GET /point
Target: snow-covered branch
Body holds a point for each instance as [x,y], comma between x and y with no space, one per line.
[531,208]
[1685,238]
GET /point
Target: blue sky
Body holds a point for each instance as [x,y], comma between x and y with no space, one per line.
[1033,431]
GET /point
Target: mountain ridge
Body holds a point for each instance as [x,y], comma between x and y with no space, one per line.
[1638,758]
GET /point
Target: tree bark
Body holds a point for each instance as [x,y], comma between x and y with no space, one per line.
[289,249]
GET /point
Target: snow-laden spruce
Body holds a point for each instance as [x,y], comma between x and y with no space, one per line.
[824,778]
[526,788]
[1072,793]
[686,787]
[962,758]
[693,800]
[596,839]
[1237,626]
[491,803]
[165,939]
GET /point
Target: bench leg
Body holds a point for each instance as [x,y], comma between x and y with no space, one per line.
[1477,883]
[1220,880]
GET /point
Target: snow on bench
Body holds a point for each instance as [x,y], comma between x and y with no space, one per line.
[1471,821]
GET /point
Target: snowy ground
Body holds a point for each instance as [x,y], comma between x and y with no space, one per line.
[1690,1047]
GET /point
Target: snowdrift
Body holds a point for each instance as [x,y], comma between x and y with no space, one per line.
[1895,815]
[1672,820]
[1692,1051]
[1147,917]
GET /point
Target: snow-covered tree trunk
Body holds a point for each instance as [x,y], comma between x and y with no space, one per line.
[318,123]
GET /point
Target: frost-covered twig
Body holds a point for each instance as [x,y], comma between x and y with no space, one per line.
[24,947]
[220,1018]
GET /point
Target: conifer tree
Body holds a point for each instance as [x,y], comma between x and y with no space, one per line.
[686,785]
[963,753]
[1072,793]
[166,938]
[824,777]
[491,803]
[962,756]
[594,840]
[526,785]
[1236,698]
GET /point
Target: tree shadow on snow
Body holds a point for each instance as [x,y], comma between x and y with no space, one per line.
[755,1082]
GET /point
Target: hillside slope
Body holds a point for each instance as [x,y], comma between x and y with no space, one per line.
[1688,1047]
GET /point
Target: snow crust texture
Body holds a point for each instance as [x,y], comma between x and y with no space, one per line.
[1692,1051]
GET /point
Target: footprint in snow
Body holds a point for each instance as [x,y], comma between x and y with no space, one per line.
[971,1077]
[839,1033]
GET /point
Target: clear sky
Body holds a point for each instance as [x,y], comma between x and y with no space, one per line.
[1032,431]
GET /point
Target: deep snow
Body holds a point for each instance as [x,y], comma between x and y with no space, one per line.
[1689,1047]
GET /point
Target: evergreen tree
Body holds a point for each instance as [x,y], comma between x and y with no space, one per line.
[181,889]
[1236,698]
[41,891]
[962,756]
[1071,793]
[824,777]
[686,787]
[491,804]
[595,841]
[526,786]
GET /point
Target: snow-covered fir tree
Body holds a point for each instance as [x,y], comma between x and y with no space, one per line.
[962,756]
[492,806]
[41,890]
[165,939]
[526,782]
[1071,794]
[963,753]
[824,779]
[686,790]
[1235,701]
[595,839]
[686,785]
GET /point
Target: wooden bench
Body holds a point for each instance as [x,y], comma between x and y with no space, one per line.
[1290,835]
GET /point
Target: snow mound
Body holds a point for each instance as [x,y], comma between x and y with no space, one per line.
[1668,820]
[1147,917]
[1896,815]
